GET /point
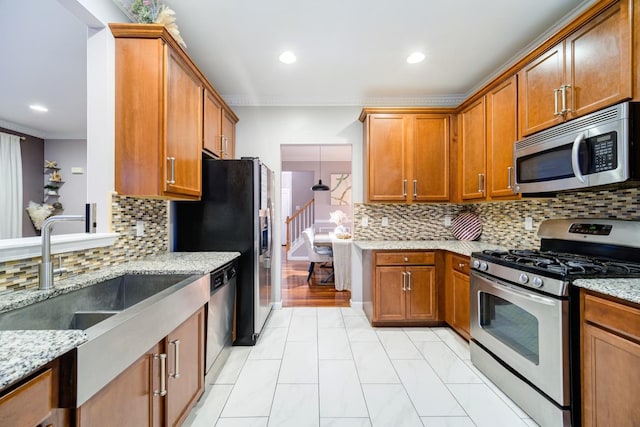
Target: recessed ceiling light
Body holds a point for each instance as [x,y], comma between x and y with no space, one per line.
[415,57]
[39,108]
[287,57]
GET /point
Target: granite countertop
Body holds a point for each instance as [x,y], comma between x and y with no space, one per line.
[461,247]
[625,289]
[22,352]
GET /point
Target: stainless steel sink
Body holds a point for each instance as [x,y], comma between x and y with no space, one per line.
[86,307]
[122,317]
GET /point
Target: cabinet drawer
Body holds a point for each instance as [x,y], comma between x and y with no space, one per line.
[460,263]
[405,258]
[612,315]
[28,404]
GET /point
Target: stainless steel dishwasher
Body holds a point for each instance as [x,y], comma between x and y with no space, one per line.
[220,315]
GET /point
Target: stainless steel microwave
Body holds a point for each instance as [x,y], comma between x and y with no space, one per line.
[600,148]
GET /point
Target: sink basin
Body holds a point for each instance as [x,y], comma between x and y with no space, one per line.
[88,306]
[122,318]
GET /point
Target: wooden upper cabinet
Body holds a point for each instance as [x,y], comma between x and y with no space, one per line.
[228,134]
[502,133]
[212,133]
[472,165]
[386,151]
[539,97]
[158,115]
[599,61]
[183,128]
[407,157]
[430,157]
[219,128]
[589,70]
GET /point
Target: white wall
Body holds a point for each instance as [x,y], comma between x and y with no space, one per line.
[261,131]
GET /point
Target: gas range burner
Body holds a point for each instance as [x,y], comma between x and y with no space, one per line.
[565,264]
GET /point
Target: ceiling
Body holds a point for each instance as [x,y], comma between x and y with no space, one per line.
[315,153]
[349,52]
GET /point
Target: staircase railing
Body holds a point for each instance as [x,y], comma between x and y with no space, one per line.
[301,219]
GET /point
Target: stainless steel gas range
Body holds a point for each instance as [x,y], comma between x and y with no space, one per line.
[525,313]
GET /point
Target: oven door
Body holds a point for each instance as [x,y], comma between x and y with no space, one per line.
[525,330]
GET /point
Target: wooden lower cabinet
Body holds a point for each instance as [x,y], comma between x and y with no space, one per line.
[457,294]
[30,403]
[404,289]
[141,397]
[610,362]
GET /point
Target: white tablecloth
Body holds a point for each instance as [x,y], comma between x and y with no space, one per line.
[341,259]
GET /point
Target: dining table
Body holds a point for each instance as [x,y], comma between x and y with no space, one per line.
[341,257]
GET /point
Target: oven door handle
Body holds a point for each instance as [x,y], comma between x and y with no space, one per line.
[502,287]
[575,161]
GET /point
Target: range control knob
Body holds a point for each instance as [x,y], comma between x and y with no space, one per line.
[537,282]
[523,278]
[476,263]
[484,266]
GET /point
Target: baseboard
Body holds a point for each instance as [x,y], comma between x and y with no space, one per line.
[277,305]
[356,305]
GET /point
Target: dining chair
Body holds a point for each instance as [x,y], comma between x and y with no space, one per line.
[315,253]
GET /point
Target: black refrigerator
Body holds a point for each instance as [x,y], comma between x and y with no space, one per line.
[234,214]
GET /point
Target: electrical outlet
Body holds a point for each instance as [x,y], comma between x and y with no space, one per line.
[365,221]
[385,221]
[528,223]
[447,221]
[139,228]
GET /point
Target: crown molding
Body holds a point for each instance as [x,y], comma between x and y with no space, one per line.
[293,101]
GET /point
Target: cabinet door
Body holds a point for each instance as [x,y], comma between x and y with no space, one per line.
[598,59]
[460,290]
[386,151]
[183,128]
[473,157]
[538,82]
[389,297]
[610,379]
[228,136]
[212,126]
[430,157]
[502,133]
[185,368]
[421,293]
[129,399]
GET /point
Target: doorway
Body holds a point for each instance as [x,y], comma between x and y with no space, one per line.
[302,166]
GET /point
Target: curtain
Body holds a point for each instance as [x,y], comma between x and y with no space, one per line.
[11,184]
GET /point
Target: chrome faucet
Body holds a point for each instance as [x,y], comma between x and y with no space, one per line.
[46,270]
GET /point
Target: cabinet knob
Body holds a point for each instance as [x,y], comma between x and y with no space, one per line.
[406,259]
[462,265]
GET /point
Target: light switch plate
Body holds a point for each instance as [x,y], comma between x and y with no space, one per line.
[365,221]
[139,228]
[385,221]
[528,223]
[447,220]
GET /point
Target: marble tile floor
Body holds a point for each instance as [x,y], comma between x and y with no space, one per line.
[328,367]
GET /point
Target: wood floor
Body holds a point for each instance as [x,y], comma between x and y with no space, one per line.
[297,292]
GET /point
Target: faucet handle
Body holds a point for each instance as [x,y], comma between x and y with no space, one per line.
[60,268]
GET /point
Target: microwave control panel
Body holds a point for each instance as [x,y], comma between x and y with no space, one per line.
[603,152]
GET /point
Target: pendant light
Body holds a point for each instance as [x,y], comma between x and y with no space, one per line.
[320,186]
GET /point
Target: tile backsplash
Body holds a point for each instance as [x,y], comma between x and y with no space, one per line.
[503,222]
[23,273]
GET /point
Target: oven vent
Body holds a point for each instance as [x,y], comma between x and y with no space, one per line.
[599,117]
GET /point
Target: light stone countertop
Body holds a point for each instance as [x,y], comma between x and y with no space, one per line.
[625,289]
[22,352]
[461,247]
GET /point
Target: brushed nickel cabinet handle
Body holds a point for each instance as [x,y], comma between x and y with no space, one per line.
[404,188]
[409,275]
[480,183]
[564,88]
[415,188]
[404,281]
[172,169]
[222,145]
[555,102]
[163,373]
[176,361]
[509,173]
[461,265]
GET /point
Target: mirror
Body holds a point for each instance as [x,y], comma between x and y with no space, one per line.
[45,62]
